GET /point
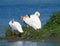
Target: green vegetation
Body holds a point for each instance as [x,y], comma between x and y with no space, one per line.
[8,32]
[53,26]
[50,30]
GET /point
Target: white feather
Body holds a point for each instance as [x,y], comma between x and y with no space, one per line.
[16,26]
[33,21]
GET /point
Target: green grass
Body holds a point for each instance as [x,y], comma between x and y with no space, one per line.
[50,30]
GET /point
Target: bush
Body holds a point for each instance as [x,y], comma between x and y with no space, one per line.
[8,32]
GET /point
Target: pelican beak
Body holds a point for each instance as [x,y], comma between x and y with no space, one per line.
[21,18]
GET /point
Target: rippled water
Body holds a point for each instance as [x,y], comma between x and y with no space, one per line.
[30,43]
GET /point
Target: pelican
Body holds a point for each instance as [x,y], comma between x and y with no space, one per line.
[32,20]
[15,26]
[36,20]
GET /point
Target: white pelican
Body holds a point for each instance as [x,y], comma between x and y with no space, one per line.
[33,20]
[15,26]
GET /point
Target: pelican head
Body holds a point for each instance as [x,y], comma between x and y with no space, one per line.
[26,16]
[12,20]
[37,13]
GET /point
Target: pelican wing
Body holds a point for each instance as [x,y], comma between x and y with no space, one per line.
[36,22]
[28,21]
[18,27]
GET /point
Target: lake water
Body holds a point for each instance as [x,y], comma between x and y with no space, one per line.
[8,12]
[15,11]
[30,43]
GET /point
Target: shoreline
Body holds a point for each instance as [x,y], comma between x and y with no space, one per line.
[10,39]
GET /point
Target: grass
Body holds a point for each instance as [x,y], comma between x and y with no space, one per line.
[50,30]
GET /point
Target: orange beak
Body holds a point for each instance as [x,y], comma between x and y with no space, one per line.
[37,15]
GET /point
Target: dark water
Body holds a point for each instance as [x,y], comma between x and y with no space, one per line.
[8,12]
[29,43]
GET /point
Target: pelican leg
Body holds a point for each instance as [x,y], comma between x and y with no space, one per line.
[13,34]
